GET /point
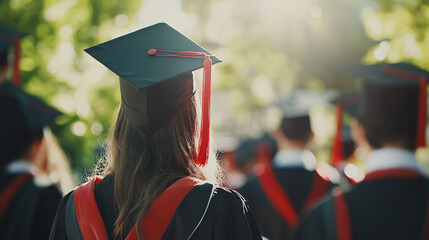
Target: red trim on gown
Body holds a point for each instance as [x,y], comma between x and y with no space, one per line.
[153,224]
[343,224]
[10,191]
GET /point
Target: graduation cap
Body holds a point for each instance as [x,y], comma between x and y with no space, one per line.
[154,65]
[248,148]
[8,37]
[347,104]
[386,83]
[296,123]
[25,112]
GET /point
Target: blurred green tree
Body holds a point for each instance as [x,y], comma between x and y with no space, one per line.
[55,68]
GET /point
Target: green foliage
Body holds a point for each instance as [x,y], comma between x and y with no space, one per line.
[55,67]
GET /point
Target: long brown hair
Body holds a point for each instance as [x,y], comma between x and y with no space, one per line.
[144,165]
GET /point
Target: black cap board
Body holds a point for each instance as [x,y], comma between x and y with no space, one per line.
[349,103]
[128,57]
[247,149]
[384,74]
[152,88]
[8,37]
[24,111]
[299,103]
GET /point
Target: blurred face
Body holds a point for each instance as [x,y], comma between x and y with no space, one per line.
[38,155]
[359,136]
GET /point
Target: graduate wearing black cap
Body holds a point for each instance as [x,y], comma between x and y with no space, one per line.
[240,162]
[159,183]
[343,147]
[289,184]
[27,202]
[10,37]
[392,202]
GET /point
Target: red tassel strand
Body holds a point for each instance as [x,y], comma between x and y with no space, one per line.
[17,56]
[204,142]
[203,152]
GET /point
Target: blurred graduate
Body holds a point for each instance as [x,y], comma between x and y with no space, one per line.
[288,184]
[161,182]
[392,202]
[28,200]
[238,164]
[343,146]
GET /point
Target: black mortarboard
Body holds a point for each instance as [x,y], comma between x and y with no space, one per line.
[8,37]
[296,122]
[300,102]
[22,111]
[398,90]
[154,65]
[248,148]
[348,103]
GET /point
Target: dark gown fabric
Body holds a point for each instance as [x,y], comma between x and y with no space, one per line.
[296,182]
[390,208]
[31,212]
[227,216]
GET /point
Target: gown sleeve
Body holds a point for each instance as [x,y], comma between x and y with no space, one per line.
[227,217]
[58,230]
[45,212]
[318,224]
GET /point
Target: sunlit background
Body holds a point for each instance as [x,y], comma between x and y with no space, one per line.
[270,50]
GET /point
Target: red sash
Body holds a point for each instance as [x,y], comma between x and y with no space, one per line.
[279,198]
[319,188]
[153,224]
[11,190]
[343,224]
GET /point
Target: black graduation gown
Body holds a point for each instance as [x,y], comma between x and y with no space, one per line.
[296,182]
[390,208]
[227,216]
[31,211]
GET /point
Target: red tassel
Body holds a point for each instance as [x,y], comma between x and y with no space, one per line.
[422,114]
[203,152]
[17,56]
[337,147]
[203,148]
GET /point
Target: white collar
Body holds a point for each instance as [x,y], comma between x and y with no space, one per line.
[388,158]
[291,158]
[21,166]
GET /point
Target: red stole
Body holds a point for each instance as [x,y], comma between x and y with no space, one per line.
[279,198]
[153,224]
[343,224]
[12,189]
